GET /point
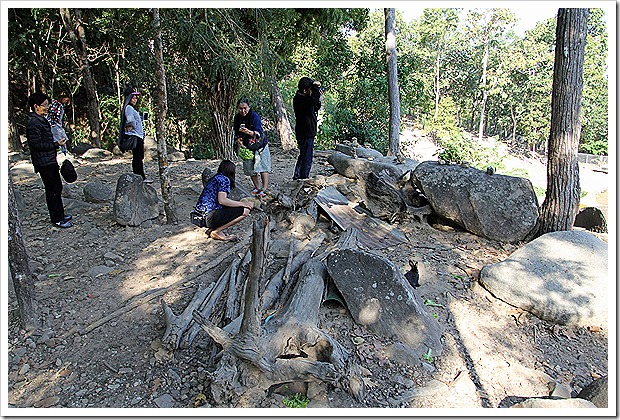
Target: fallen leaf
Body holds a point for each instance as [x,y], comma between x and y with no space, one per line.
[156,385]
[358,340]
[92,296]
[594,328]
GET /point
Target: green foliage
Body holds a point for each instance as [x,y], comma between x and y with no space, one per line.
[460,149]
[517,172]
[203,151]
[428,356]
[214,55]
[110,120]
[430,302]
[296,401]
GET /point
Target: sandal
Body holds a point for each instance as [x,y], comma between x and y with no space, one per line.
[255,191]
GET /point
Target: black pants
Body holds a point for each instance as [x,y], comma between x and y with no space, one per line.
[137,162]
[304,161]
[220,217]
[50,175]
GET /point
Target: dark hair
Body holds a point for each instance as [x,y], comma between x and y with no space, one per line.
[37,98]
[304,83]
[243,101]
[227,168]
[63,95]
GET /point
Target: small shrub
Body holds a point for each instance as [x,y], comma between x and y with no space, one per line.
[428,356]
[296,401]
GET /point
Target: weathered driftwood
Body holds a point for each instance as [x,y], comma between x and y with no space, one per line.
[204,300]
[274,285]
[208,306]
[177,324]
[289,347]
[149,295]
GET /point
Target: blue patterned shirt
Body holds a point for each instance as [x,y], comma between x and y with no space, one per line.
[208,199]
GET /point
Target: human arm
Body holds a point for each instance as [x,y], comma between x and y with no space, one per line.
[130,121]
[222,198]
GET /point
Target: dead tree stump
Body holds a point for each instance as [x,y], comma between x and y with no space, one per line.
[290,347]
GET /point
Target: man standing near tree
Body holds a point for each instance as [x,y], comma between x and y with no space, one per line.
[306,104]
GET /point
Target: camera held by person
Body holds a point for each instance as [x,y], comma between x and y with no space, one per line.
[316,85]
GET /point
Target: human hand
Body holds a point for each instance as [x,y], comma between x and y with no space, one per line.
[249,204]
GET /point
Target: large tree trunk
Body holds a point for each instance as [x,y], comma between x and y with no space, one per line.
[282,122]
[161,100]
[78,40]
[393,94]
[15,142]
[221,98]
[561,203]
[19,267]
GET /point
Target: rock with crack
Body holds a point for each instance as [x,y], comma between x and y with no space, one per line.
[498,207]
[134,202]
[380,297]
[561,277]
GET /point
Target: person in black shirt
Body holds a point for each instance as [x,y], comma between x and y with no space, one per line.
[306,104]
[43,151]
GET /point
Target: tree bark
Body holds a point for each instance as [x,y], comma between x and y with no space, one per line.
[78,40]
[161,101]
[485,92]
[20,268]
[393,93]
[283,124]
[15,142]
[561,203]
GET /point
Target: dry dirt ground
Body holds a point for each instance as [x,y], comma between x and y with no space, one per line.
[494,355]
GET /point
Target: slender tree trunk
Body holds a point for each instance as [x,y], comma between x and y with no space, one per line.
[393,94]
[437,91]
[78,40]
[15,142]
[485,92]
[19,267]
[161,107]
[514,126]
[561,203]
[283,124]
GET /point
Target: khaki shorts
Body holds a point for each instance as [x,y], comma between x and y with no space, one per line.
[261,163]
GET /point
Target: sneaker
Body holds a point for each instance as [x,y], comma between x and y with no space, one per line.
[67,218]
[148,181]
[255,191]
[63,224]
[261,194]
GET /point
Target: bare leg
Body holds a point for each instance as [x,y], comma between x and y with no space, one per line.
[217,233]
[254,179]
[264,176]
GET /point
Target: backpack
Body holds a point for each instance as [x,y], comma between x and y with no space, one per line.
[257,143]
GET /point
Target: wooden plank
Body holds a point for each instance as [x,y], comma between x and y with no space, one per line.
[373,233]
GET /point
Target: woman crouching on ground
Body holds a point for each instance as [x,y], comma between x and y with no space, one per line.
[220,211]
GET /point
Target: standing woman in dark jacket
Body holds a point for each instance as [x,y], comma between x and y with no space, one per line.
[43,154]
